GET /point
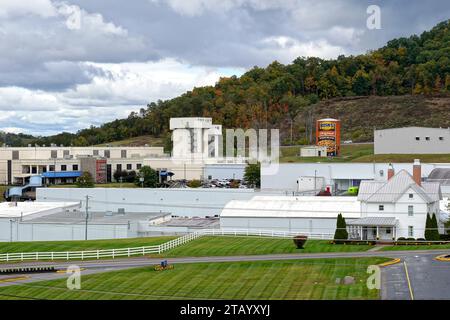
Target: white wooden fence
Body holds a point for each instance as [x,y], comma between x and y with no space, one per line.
[156,249]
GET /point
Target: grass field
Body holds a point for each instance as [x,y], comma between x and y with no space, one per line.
[43,246]
[228,246]
[359,153]
[313,279]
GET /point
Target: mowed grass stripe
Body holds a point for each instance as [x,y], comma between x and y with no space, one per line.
[239,280]
[229,245]
[48,246]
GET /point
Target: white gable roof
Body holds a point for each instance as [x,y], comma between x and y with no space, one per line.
[394,188]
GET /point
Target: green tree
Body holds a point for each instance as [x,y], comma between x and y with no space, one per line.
[194,184]
[150,177]
[85,180]
[434,229]
[341,228]
[252,175]
[428,235]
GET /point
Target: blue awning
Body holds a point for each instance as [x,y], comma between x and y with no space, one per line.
[62,174]
[166,173]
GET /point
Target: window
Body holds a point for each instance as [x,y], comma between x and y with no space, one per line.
[75,167]
[417,138]
[107,154]
[54,154]
[138,166]
[441,138]
[66,153]
[410,231]
[388,230]
[119,167]
[410,211]
[411,195]
[381,173]
[381,207]
[63,167]
[51,168]
[427,138]
[129,166]
[15,155]
[123,154]
[95,153]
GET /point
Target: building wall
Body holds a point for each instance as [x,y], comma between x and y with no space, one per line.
[181,202]
[224,171]
[403,141]
[41,158]
[17,231]
[342,174]
[305,225]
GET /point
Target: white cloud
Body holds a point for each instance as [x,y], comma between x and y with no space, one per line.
[287,49]
[113,93]
[10,8]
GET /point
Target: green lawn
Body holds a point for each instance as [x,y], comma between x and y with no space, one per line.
[2,190]
[419,247]
[359,153]
[136,142]
[313,279]
[229,246]
[349,152]
[44,246]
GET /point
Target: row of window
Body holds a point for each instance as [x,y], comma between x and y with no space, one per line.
[410,209]
[66,153]
[428,138]
[129,166]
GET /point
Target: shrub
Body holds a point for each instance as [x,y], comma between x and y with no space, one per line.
[401,239]
[341,229]
[194,184]
[85,180]
[300,241]
[411,239]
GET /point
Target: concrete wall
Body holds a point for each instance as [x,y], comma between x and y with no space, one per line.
[404,141]
[224,171]
[17,231]
[181,202]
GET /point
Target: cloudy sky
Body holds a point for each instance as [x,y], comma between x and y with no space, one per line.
[66,65]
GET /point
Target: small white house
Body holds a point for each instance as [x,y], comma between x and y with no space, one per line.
[397,207]
[313,151]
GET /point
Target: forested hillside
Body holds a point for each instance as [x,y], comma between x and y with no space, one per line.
[407,82]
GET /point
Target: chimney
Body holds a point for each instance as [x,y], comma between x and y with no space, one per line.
[417,172]
[391,171]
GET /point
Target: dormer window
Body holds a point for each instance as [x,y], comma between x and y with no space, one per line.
[417,138]
[381,207]
[411,196]
[427,138]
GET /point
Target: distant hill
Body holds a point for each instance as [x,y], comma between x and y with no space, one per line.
[406,82]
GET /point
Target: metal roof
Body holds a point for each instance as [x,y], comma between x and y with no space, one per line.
[293,207]
[441,175]
[62,174]
[394,188]
[374,222]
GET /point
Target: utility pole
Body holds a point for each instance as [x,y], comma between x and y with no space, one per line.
[87,217]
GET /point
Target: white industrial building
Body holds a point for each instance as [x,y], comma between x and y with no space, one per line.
[299,177]
[412,140]
[384,210]
[313,151]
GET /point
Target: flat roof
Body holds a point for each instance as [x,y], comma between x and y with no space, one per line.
[95,218]
[31,209]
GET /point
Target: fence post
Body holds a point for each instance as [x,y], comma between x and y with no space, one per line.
[128,252]
[37,255]
[82,255]
[67,255]
[52,255]
[21,256]
[7,257]
[113,253]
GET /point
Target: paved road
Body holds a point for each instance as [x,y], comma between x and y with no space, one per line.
[429,279]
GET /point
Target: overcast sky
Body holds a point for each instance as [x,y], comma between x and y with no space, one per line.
[66,65]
